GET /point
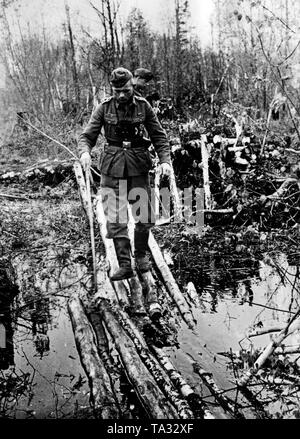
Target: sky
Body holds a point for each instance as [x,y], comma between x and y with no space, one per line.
[156,12]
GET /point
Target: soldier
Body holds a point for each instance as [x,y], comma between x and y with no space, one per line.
[125,163]
[141,77]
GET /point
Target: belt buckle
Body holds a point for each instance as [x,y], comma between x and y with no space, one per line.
[126,145]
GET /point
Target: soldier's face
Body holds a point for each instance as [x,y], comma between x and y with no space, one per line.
[123,94]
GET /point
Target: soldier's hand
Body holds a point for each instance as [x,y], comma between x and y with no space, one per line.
[165,170]
[85,160]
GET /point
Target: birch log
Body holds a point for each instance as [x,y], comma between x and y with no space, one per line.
[141,379]
[171,284]
[278,381]
[185,389]
[102,341]
[119,286]
[263,331]
[292,326]
[222,399]
[102,395]
[153,366]
[192,293]
[136,296]
[151,288]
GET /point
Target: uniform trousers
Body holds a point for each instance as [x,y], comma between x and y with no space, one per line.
[116,193]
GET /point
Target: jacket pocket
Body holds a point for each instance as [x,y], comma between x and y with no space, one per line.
[111,119]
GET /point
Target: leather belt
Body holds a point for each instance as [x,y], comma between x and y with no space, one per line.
[123,146]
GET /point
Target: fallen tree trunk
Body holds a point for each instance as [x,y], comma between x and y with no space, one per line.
[287,350]
[136,296]
[171,284]
[292,326]
[222,399]
[192,294]
[264,331]
[270,379]
[102,342]
[102,395]
[153,366]
[185,389]
[150,395]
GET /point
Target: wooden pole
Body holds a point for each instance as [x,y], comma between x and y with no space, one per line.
[91,222]
[206,185]
[176,199]
[156,194]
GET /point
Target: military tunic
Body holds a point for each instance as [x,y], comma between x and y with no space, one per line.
[118,161]
[124,164]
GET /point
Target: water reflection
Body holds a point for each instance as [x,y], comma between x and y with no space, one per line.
[279,288]
[269,280]
[40,318]
[245,292]
[227,278]
[7,294]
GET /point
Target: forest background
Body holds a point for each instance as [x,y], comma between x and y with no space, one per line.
[246,54]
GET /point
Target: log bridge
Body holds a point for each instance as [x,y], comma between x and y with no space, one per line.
[109,329]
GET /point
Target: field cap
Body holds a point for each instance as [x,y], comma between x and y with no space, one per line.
[120,76]
[143,74]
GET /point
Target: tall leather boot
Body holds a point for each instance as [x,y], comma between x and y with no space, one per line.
[141,250]
[122,247]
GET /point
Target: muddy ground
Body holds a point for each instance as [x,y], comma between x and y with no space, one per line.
[245,279]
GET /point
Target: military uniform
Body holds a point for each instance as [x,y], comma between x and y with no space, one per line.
[124,167]
[138,115]
[126,123]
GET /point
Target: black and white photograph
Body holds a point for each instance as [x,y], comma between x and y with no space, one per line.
[149,213]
